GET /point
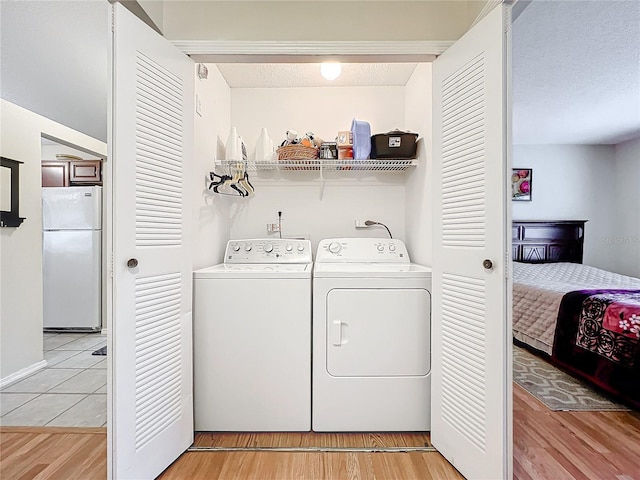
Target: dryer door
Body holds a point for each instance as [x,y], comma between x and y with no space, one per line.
[378,332]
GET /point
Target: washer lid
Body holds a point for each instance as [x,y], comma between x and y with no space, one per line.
[275,270]
[371,270]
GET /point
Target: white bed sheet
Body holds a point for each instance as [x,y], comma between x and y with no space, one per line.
[539,288]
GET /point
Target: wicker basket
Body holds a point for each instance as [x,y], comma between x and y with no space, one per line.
[297,152]
[298,157]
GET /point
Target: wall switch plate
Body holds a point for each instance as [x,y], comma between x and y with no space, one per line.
[198,106]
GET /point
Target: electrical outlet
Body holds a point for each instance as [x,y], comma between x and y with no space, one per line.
[360,224]
[273,228]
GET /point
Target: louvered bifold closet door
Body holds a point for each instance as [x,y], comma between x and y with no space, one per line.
[158,225]
[153,137]
[463,225]
[470,424]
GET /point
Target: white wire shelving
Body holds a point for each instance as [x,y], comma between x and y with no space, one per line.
[326,165]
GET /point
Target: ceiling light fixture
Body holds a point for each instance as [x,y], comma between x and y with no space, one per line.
[330,70]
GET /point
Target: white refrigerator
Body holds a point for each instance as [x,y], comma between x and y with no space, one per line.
[72,257]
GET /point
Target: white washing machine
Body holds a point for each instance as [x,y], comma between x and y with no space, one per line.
[252,338]
[371,337]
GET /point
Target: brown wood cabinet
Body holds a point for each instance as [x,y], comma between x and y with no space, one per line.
[57,173]
[548,241]
[87,171]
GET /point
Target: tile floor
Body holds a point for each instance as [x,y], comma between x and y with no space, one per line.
[70,392]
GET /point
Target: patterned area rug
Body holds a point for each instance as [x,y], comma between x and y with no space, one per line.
[556,389]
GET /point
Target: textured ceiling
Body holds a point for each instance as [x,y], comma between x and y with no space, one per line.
[274,75]
[576,72]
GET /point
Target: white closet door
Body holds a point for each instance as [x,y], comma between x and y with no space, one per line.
[471,387]
[152,143]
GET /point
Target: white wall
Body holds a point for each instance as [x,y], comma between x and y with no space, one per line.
[319,20]
[418,200]
[333,216]
[155,10]
[211,214]
[573,182]
[625,239]
[322,110]
[348,195]
[21,248]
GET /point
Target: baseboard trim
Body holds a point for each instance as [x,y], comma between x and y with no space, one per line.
[20,374]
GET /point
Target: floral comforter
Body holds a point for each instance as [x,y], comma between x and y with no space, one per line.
[597,338]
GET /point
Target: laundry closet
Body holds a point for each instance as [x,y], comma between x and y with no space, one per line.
[252,364]
[314,204]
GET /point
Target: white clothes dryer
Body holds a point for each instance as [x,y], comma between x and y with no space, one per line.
[371,337]
[252,338]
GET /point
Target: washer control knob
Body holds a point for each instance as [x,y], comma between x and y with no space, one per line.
[236,248]
[392,247]
[289,247]
[247,247]
[335,247]
[301,247]
[380,248]
[268,248]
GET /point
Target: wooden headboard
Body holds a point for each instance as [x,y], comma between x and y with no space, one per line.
[544,241]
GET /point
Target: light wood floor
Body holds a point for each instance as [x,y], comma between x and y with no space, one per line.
[573,445]
[40,453]
[547,445]
[310,465]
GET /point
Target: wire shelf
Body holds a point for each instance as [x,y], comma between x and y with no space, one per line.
[388,165]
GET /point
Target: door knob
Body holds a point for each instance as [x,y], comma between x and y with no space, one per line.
[132,263]
[487,264]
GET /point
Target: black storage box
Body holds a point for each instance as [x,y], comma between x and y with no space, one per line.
[394,144]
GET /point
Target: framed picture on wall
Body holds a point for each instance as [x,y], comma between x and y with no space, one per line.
[521,184]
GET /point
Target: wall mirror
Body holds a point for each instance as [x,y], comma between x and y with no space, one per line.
[10,193]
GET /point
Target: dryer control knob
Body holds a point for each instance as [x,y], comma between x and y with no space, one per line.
[247,248]
[300,247]
[392,247]
[289,247]
[236,248]
[380,248]
[335,247]
[268,248]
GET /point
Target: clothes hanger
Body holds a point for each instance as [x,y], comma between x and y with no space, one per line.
[237,181]
[246,184]
[232,180]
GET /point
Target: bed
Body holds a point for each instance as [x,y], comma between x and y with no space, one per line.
[586,320]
